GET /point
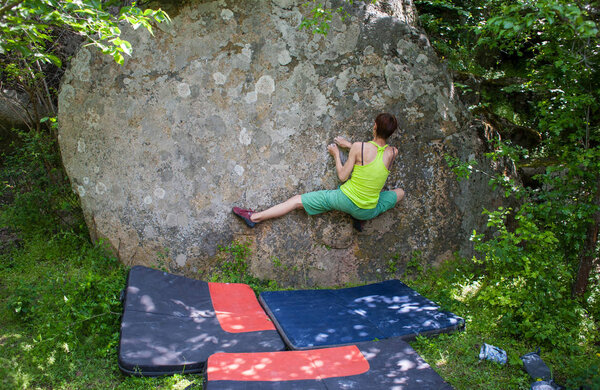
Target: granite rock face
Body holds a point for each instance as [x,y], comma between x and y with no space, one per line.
[233,105]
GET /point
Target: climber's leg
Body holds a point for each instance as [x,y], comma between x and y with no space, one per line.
[281,209]
[399,194]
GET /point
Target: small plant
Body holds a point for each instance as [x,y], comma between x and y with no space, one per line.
[319,20]
[234,269]
[163,260]
[321,15]
[502,149]
[414,266]
[276,262]
[23,301]
[328,247]
[392,265]
[462,170]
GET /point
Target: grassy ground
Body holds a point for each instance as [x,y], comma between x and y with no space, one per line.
[60,314]
[60,308]
[455,356]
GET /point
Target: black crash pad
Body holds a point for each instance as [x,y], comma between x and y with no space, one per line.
[376,365]
[172,324]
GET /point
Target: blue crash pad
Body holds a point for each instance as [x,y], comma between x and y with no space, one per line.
[316,318]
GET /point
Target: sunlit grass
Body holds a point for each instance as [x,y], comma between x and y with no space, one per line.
[455,356]
[466,291]
[59,317]
[59,325]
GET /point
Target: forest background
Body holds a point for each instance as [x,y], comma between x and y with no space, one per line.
[527,68]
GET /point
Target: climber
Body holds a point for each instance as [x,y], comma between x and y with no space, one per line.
[367,167]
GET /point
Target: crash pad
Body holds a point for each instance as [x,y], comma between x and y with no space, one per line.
[308,319]
[374,365]
[172,324]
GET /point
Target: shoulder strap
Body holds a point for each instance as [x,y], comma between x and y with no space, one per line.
[379,148]
[362,153]
[393,158]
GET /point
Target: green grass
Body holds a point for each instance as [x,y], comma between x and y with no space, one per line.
[59,318]
[455,287]
[60,315]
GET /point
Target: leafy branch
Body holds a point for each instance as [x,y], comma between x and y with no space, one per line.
[320,16]
[27,27]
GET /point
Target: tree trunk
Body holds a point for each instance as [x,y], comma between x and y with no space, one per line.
[588,256]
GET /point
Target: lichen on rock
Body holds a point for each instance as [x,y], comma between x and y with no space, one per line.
[231,105]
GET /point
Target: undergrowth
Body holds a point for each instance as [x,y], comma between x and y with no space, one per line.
[59,293]
[60,309]
[60,314]
[458,286]
[235,267]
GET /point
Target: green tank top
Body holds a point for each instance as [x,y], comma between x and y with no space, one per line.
[366,182]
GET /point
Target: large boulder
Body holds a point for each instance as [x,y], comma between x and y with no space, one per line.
[232,104]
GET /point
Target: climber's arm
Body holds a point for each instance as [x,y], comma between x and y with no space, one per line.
[344,170]
[342,142]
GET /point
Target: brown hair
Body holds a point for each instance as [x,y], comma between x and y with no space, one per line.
[386,125]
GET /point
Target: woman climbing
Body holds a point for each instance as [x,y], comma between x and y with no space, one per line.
[367,167]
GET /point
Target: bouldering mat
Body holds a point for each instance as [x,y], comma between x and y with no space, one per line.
[172,324]
[316,318]
[373,365]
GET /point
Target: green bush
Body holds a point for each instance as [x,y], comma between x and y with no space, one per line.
[41,199]
[457,285]
[527,282]
[59,293]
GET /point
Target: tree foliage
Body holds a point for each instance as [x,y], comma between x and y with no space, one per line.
[320,15]
[27,26]
[559,44]
[33,37]
[536,66]
[31,50]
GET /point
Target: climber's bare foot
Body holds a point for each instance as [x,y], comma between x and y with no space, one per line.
[342,142]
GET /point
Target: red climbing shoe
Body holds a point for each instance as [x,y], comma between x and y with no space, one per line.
[245,215]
